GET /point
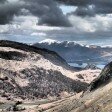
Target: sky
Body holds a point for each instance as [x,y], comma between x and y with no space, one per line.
[31,21]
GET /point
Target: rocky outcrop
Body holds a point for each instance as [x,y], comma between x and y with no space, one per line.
[91,66]
[103,78]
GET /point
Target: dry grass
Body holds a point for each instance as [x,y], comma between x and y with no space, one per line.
[99,100]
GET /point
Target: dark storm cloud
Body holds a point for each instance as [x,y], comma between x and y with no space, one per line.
[47,10]
[75,2]
[83,11]
[7,11]
[96,9]
[99,6]
[3,1]
[86,2]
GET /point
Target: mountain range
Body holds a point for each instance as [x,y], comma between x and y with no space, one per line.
[73,52]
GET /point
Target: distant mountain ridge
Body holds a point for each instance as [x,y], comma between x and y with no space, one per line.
[74,52]
[66,43]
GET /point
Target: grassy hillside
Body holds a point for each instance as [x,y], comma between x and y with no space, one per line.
[31,73]
[42,80]
[98,97]
[99,100]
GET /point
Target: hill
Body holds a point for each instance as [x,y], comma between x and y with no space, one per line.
[30,73]
[97,98]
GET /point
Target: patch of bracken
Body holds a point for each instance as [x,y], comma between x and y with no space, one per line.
[12,55]
[41,83]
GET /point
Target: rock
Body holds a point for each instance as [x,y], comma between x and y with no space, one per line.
[103,78]
[18,102]
[15,108]
[91,66]
[80,76]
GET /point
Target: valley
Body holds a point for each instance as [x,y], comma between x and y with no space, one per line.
[38,77]
[55,55]
[38,80]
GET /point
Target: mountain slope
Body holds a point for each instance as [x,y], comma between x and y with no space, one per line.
[98,99]
[30,73]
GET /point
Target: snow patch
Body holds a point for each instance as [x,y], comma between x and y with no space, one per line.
[49,41]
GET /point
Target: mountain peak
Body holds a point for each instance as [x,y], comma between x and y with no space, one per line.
[64,43]
[49,41]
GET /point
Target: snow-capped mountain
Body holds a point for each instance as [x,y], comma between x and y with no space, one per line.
[66,43]
[49,41]
[74,52]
